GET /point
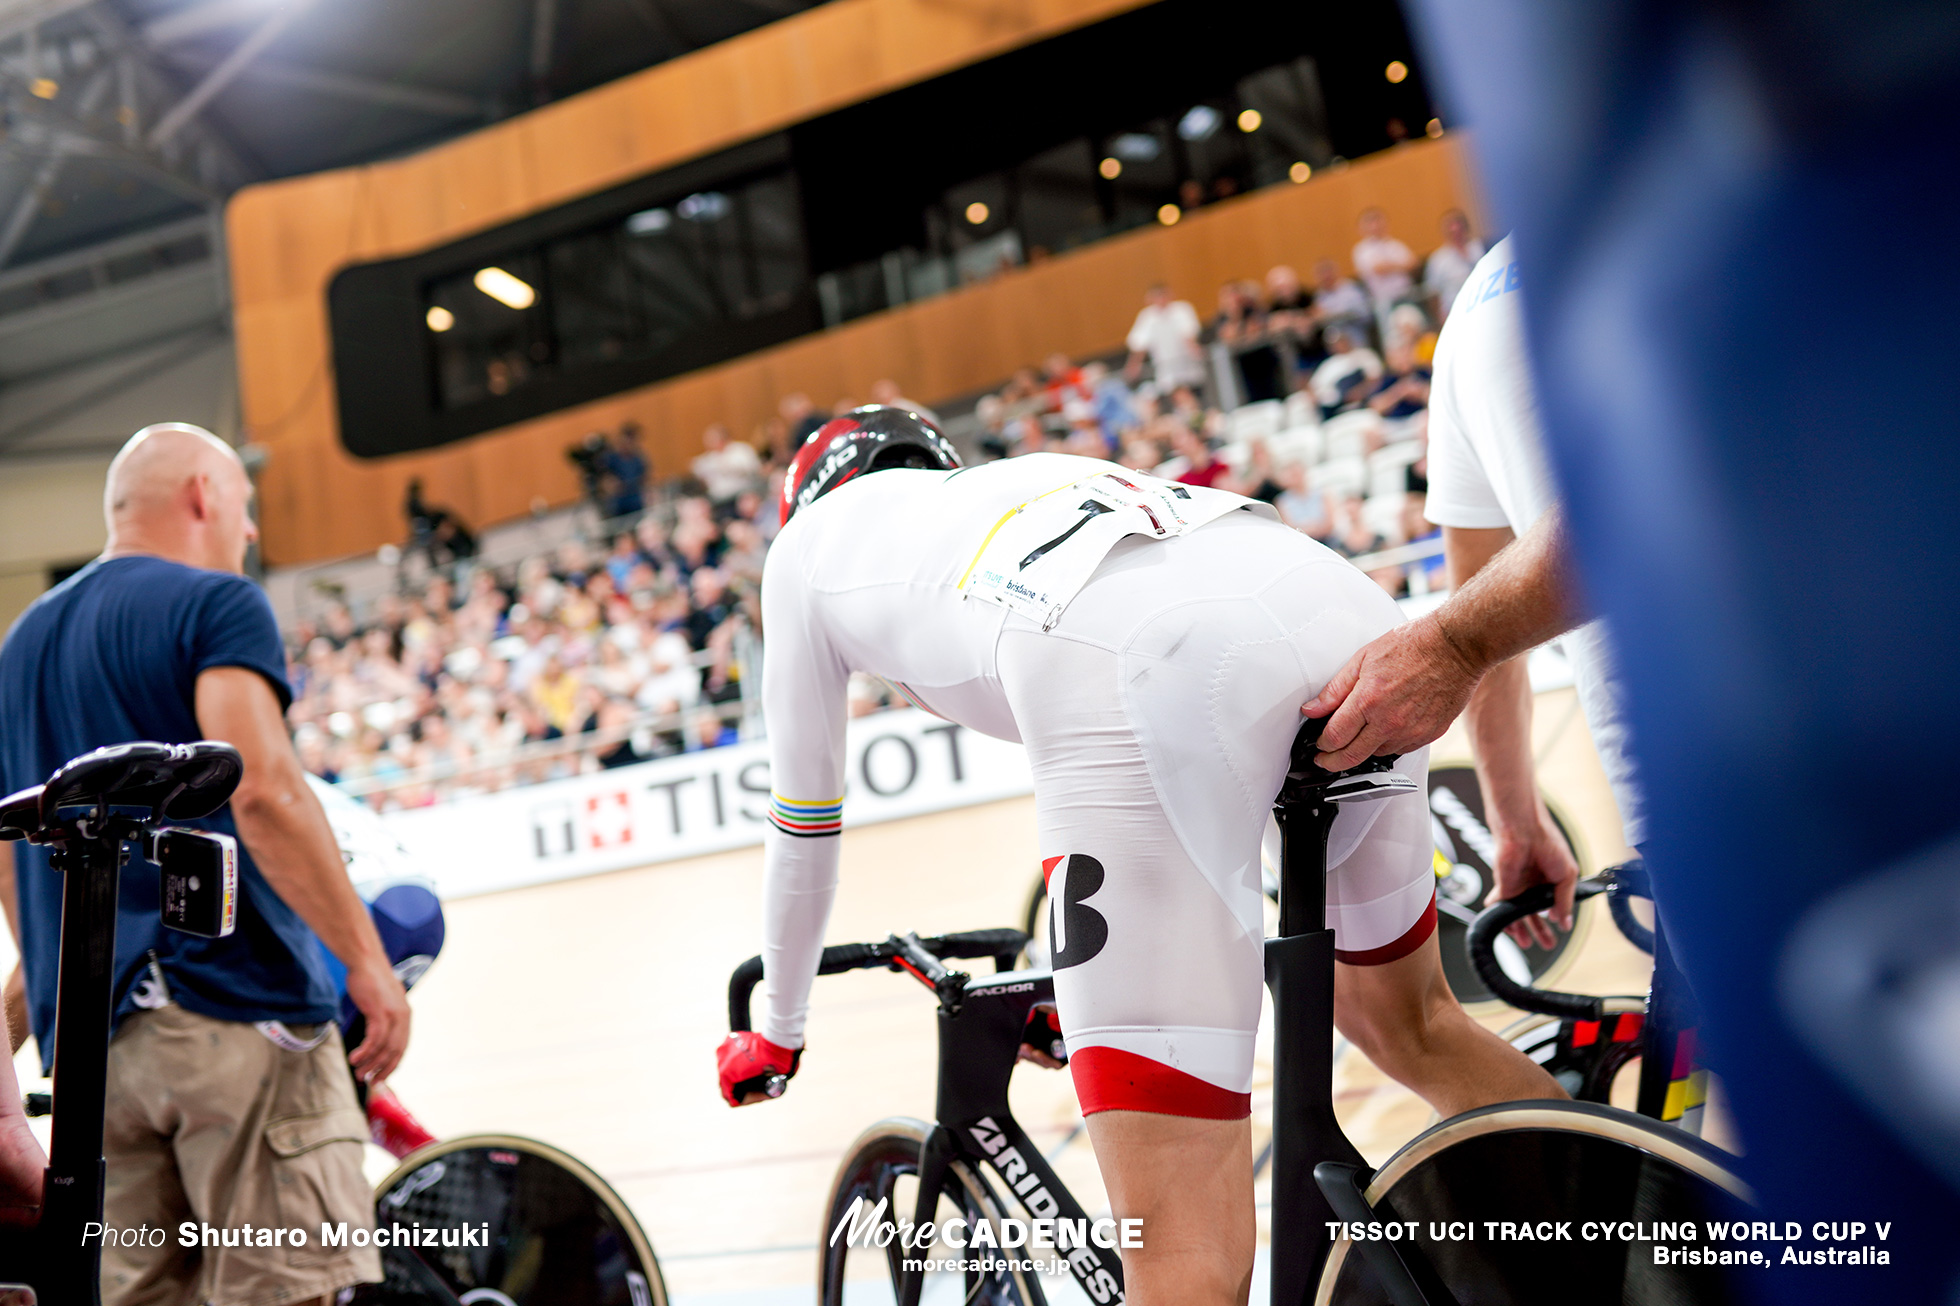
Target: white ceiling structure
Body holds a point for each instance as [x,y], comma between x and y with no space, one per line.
[125,124]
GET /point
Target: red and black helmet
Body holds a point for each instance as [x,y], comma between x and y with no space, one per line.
[868,439]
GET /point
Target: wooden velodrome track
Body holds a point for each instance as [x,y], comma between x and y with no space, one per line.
[586,1013]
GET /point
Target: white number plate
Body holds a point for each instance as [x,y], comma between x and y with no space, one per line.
[1038,557]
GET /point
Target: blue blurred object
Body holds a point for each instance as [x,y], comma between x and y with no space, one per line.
[1736,224]
[408,917]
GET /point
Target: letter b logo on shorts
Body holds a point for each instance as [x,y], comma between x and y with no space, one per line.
[1075,932]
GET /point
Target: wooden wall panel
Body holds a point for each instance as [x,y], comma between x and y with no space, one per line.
[287,239]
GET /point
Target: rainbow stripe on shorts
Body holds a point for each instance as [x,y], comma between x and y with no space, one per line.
[806,820]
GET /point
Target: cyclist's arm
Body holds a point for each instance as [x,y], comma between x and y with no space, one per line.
[287,833]
[803,700]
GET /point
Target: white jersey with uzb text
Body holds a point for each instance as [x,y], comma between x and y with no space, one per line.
[1487,469]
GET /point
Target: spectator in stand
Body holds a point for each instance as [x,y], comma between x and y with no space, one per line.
[1349,369]
[1289,305]
[1338,301]
[616,715]
[1241,327]
[1402,390]
[1062,383]
[1111,401]
[1427,574]
[800,416]
[725,467]
[1302,506]
[706,729]
[554,691]
[437,533]
[888,394]
[1384,264]
[994,440]
[626,470]
[708,589]
[1200,467]
[1166,332]
[1450,263]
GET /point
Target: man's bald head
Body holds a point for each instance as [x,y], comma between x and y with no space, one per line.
[179,492]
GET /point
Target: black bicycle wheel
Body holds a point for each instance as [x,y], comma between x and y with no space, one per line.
[1464,848]
[1548,1161]
[555,1234]
[1034,924]
[884,1164]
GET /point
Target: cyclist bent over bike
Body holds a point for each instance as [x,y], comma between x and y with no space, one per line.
[1148,643]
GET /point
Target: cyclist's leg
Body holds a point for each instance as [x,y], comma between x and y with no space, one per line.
[1157,979]
[1391,998]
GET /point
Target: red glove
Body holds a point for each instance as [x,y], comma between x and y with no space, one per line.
[750,1063]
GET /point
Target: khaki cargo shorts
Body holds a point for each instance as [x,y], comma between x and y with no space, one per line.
[208,1121]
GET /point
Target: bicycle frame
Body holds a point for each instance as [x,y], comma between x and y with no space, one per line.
[60,1270]
[980,1033]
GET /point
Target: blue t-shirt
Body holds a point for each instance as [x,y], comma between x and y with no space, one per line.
[110,655]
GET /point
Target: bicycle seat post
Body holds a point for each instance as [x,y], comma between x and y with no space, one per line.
[91,873]
[1300,973]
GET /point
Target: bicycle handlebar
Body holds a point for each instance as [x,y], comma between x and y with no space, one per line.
[1618,882]
[1002,945]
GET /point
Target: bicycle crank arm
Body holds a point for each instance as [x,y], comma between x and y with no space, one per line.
[1407,1279]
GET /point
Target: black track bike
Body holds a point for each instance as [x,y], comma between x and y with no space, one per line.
[90,812]
[558,1233]
[1523,1162]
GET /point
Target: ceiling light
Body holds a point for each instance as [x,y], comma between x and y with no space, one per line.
[505,288]
[976,213]
[649,222]
[1198,122]
[1300,171]
[1249,120]
[1397,71]
[1137,147]
[1111,168]
[440,318]
[1169,214]
[706,206]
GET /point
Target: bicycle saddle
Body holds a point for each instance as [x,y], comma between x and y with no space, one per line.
[173,782]
[1306,779]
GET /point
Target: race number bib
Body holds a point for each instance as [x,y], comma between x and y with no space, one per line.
[1039,556]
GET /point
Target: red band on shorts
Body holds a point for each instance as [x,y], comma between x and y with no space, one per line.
[1110,1079]
[1416,935]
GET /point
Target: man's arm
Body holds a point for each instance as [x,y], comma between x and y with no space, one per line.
[283,825]
[1403,690]
[1530,849]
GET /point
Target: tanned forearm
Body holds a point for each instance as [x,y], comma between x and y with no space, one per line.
[1498,718]
[1522,597]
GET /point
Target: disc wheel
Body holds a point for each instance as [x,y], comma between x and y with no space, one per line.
[1547,1162]
[884,1164]
[557,1234]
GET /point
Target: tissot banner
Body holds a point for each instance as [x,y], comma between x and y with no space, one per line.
[901,764]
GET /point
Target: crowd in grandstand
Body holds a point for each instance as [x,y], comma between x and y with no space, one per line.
[1311,398]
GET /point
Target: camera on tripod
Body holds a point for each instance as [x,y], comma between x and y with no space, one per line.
[589,456]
